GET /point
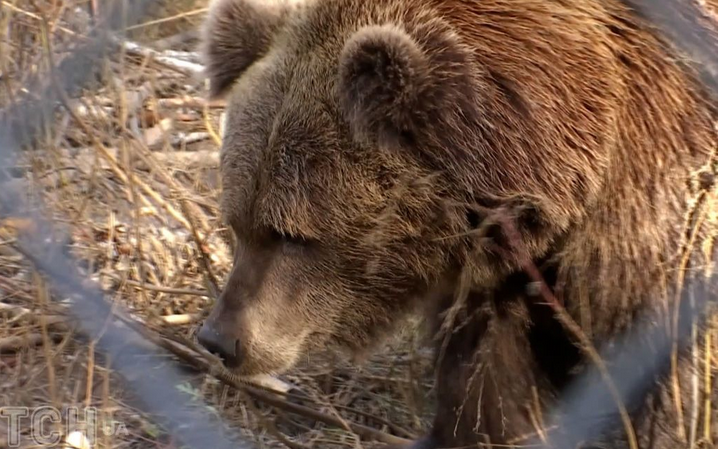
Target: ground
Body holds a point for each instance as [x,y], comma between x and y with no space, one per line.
[130,218]
[125,229]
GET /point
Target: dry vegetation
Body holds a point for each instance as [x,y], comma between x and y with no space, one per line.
[129,171]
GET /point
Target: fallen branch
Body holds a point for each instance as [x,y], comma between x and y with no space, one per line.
[185,159]
[14,344]
[202,159]
[161,289]
[188,138]
[180,65]
[264,392]
[18,342]
[183,318]
[168,19]
[190,102]
[176,40]
[18,312]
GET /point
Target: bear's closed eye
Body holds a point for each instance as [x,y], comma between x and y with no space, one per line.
[285,237]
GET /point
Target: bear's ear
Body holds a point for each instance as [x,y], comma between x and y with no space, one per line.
[234,35]
[392,84]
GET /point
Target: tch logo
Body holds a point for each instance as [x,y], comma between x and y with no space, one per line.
[48,426]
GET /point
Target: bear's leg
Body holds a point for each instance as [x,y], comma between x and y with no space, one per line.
[488,378]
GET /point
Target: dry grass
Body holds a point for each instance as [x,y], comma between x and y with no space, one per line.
[130,171]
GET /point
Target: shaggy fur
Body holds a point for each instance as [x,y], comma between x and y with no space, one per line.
[371,147]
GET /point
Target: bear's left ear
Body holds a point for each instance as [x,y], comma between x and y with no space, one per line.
[392,84]
[235,34]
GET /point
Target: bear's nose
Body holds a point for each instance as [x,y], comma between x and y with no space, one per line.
[220,345]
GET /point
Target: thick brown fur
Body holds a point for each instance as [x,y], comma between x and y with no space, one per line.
[371,147]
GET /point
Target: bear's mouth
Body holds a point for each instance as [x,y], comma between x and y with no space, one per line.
[268,382]
[265,381]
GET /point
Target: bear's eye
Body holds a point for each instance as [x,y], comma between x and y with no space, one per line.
[285,237]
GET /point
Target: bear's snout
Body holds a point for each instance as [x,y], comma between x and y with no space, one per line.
[224,346]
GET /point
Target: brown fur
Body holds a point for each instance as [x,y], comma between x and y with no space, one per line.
[369,146]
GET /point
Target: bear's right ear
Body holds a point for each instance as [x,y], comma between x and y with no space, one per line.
[235,34]
[393,84]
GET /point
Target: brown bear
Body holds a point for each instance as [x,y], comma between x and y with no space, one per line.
[529,173]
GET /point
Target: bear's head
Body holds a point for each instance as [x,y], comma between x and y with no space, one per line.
[354,144]
[338,229]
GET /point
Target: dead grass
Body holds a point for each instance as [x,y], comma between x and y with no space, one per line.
[130,170]
[131,173]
